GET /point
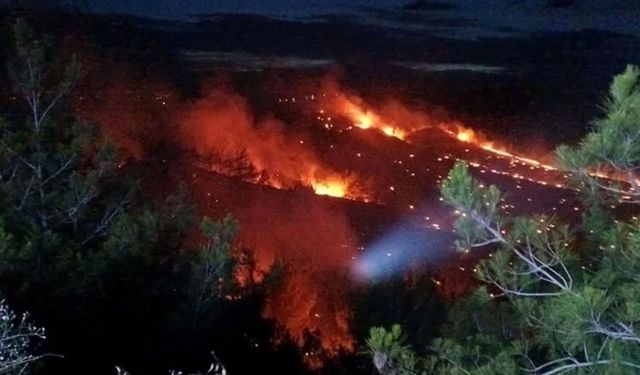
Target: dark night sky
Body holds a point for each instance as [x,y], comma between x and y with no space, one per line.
[521,15]
[180,8]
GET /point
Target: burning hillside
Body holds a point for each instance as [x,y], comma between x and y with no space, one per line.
[221,127]
[278,177]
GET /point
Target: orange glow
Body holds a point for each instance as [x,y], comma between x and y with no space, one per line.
[338,186]
[311,239]
[367,119]
[363,121]
[260,150]
[394,132]
[335,189]
[314,245]
[466,135]
[396,120]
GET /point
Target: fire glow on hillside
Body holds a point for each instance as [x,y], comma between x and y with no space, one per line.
[314,239]
[366,119]
[399,121]
[468,135]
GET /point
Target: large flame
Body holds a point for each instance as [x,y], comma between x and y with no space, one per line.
[336,189]
[260,150]
[364,118]
[309,241]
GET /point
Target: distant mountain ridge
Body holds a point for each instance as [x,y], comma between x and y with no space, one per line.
[425,5]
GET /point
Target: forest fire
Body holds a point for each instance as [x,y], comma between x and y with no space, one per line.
[345,186]
[340,111]
[314,239]
[336,185]
[398,121]
[260,150]
[259,190]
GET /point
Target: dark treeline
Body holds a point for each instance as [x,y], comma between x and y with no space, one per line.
[115,277]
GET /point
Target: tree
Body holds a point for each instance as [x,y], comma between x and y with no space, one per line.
[17,338]
[215,368]
[556,298]
[60,193]
[390,354]
[77,239]
[211,271]
[612,148]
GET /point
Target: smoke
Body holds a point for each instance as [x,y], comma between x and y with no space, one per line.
[311,240]
[133,108]
[221,125]
[315,245]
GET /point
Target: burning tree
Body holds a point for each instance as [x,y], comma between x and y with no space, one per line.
[556,298]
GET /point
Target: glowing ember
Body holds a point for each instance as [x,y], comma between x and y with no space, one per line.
[367,119]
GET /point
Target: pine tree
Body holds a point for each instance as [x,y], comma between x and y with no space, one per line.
[101,266]
[556,298]
[390,354]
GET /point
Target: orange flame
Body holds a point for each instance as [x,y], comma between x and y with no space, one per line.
[339,186]
[259,150]
[468,135]
[367,119]
[335,189]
